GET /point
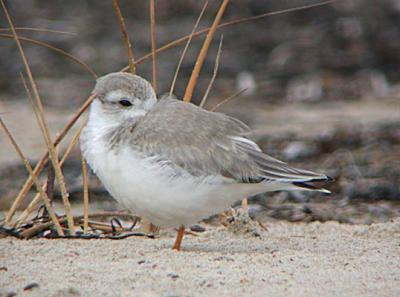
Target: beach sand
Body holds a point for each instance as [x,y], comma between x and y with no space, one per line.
[314,259]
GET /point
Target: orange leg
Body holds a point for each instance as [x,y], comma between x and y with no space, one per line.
[178,240]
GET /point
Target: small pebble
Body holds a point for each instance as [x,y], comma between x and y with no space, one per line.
[173,275]
[197,228]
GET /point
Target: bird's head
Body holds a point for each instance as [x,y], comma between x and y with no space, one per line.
[120,96]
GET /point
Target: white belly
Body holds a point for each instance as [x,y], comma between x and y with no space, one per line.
[151,190]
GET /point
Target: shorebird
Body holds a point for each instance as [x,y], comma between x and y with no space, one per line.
[174,163]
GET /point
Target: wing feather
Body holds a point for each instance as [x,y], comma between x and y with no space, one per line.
[209,143]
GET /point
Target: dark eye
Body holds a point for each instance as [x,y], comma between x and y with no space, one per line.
[125,103]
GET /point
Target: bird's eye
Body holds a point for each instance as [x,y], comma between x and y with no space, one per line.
[125,103]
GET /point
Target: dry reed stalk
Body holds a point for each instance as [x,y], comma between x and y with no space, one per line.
[203,53]
[215,71]
[121,21]
[153,44]
[55,49]
[227,24]
[38,227]
[39,166]
[106,227]
[85,196]
[37,30]
[32,205]
[105,214]
[38,185]
[53,152]
[189,40]
[226,100]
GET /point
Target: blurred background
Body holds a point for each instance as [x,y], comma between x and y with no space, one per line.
[322,90]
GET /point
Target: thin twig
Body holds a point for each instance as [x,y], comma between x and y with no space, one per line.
[32,205]
[153,43]
[106,214]
[216,65]
[234,96]
[71,145]
[125,35]
[262,225]
[55,49]
[85,196]
[227,24]
[203,53]
[38,185]
[106,227]
[37,30]
[178,67]
[39,166]
[102,236]
[39,113]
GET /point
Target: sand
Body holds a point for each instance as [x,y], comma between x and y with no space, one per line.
[315,259]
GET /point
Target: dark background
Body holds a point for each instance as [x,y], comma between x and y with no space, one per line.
[340,46]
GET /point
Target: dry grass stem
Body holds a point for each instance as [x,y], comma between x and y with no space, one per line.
[53,154]
[121,21]
[39,166]
[35,201]
[178,67]
[215,71]
[37,30]
[153,44]
[43,194]
[226,100]
[203,53]
[55,49]
[71,145]
[227,24]
[85,196]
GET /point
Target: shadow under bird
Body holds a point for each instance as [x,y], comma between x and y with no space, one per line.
[174,163]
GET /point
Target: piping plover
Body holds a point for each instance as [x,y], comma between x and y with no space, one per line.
[174,163]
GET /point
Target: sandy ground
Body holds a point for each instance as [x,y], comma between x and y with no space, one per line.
[316,259]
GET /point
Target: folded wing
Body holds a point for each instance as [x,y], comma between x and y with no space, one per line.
[209,143]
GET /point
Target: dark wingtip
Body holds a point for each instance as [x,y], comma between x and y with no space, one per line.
[326,178]
[329,179]
[311,187]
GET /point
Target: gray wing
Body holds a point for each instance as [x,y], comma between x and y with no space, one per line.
[209,143]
